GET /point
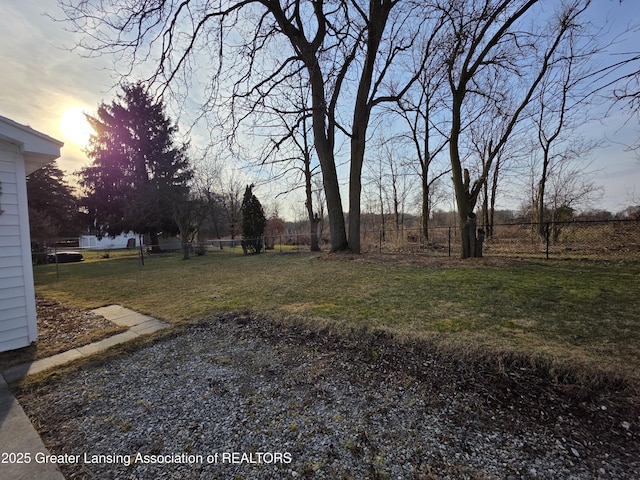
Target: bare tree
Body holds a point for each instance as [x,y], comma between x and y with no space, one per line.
[621,80]
[489,40]
[208,186]
[189,213]
[481,138]
[506,160]
[400,180]
[232,190]
[375,190]
[556,117]
[572,187]
[422,110]
[341,48]
[389,181]
[294,147]
[421,114]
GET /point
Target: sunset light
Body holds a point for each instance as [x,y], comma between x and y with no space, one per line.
[74,126]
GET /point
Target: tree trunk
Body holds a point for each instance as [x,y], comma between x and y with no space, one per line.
[469,236]
[324,151]
[396,204]
[315,245]
[485,205]
[378,14]
[541,192]
[337,229]
[426,207]
[492,206]
[153,241]
[358,139]
[313,218]
[355,191]
[460,178]
[383,226]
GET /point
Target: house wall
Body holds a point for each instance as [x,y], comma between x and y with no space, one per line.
[17,306]
[108,243]
[105,243]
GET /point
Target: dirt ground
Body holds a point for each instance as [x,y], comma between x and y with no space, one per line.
[60,328]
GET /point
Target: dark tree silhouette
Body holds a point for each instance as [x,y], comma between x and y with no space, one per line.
[253,222]
[53,209]
[138,171]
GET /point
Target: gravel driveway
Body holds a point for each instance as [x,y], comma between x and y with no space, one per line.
[244,398]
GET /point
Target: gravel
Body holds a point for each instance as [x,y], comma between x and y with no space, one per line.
[246,398]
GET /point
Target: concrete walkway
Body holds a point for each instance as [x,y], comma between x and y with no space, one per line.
[17,435]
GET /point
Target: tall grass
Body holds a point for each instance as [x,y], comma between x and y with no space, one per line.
[577,311]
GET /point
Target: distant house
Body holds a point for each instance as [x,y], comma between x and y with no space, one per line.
[92,242]
[22,151]
[126,240]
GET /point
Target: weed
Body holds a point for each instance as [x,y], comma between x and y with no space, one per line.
[351,446]
[309,469]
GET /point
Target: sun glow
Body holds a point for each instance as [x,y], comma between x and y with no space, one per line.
[74,126]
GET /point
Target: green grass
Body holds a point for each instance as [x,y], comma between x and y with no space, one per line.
[579,312]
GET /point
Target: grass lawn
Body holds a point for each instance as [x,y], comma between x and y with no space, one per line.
[582,315]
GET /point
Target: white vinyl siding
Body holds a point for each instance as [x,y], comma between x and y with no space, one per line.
[16,328]
[22,150]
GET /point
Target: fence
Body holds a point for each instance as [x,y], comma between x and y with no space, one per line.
[275,243]
[61,250]
[607,239]
[574,239]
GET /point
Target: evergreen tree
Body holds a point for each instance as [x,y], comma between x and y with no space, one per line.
[253,221]
[53,209]
[138,171]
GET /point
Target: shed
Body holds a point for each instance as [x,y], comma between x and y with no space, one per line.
[22,151]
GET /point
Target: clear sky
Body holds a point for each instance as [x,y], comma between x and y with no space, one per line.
[46,86]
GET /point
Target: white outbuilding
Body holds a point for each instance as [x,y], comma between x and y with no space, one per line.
[22,151]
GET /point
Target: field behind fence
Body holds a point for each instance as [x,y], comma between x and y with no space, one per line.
[602,239]
[611,239]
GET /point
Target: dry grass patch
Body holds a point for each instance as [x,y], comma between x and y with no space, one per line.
[577,312]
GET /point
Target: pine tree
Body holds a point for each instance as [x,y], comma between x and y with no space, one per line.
[138,171]
[53,209]
[253,221]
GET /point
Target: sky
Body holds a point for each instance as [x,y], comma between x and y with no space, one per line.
[47,86]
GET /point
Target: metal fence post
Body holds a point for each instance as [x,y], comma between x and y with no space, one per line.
[55,254]
[449,241]
[547,232]
[141,250]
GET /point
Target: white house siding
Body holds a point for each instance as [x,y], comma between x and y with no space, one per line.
[17,314]
[22,151]
[105,243]
[91,242]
